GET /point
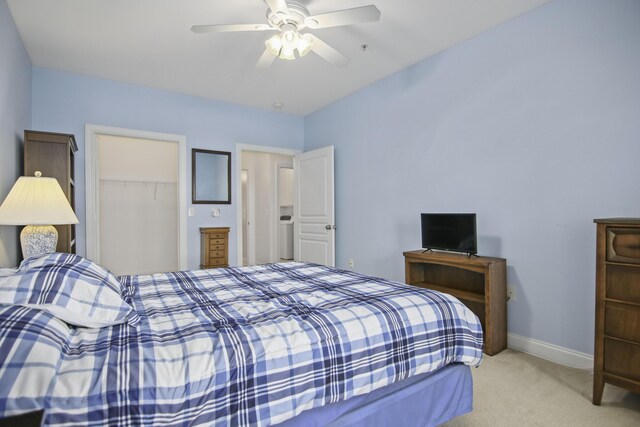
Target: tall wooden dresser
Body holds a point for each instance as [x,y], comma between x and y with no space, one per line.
[53,154]
[617,333]
[214,247]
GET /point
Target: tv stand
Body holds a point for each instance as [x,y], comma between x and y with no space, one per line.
[479,282]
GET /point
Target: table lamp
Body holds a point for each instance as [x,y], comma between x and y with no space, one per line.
[39,203]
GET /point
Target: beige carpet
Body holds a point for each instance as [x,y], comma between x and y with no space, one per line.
[516,389]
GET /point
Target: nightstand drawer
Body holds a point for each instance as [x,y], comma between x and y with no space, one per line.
[623,245]
[622,321]
[623,283]
[622,358]
[214,262]
[216,236]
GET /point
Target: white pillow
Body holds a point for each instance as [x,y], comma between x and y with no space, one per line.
[69,287]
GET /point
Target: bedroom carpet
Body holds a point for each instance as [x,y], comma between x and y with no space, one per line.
[516,389]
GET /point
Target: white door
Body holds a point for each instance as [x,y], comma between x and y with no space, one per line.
[314,225]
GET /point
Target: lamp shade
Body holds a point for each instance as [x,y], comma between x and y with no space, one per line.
[36,200]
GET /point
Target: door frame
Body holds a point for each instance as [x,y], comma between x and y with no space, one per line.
[240,148]
[92,185]
[251,216]
[278,166]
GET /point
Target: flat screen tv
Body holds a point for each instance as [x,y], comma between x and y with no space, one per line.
[449,232]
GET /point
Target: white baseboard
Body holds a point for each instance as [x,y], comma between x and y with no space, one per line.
[551,352]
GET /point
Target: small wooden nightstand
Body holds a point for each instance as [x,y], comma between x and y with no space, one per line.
[479,282]
[214,247]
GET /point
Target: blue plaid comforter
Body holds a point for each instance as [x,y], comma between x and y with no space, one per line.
[234,346]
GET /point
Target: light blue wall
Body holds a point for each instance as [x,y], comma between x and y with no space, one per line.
[534,125]
[15,116]
[65,102]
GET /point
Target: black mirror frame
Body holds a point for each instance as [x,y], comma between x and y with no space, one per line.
[194,200]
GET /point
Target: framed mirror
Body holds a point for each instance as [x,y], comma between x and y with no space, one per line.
[210,177]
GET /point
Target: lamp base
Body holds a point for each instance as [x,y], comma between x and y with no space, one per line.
[38,239]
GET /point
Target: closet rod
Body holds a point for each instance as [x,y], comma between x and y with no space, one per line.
[133,181]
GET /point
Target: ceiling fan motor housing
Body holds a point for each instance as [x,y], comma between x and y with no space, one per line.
[297,16]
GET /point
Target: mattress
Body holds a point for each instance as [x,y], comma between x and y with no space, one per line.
[240,346]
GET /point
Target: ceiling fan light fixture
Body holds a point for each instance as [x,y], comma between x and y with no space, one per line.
[304,44]
[274,44]
[290,39]
[287,53]
[289,36]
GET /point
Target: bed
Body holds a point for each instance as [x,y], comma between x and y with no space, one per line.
[294,344]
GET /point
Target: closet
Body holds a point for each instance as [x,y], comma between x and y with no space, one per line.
[138,204]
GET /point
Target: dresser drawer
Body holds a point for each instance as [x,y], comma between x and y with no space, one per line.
[217,242]
[216,236]
[622,321]
[623,244]
[622,358]
[217,247]
[216,254]
[623,283]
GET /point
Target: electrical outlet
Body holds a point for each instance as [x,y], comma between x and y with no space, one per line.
[511,294]
[350,262]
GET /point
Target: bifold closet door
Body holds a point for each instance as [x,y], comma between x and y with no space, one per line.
[137,205]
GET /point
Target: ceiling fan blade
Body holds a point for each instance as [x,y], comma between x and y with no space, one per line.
[265,60]
[278,6]
[357,15]
[328,53]
[225,28]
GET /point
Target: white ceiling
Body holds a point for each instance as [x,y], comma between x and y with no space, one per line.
[149,42]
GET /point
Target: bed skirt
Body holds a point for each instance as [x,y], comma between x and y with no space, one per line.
[424,400]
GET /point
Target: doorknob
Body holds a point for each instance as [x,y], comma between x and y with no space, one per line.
[327,227]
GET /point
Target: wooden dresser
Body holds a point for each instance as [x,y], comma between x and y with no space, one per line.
[53,154]
[617,333]
[479,282]
[214,247]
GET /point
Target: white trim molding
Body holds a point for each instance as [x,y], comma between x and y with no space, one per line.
[91,185]
[551,352]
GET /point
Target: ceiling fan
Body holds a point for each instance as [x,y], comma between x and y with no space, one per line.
[288,18]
